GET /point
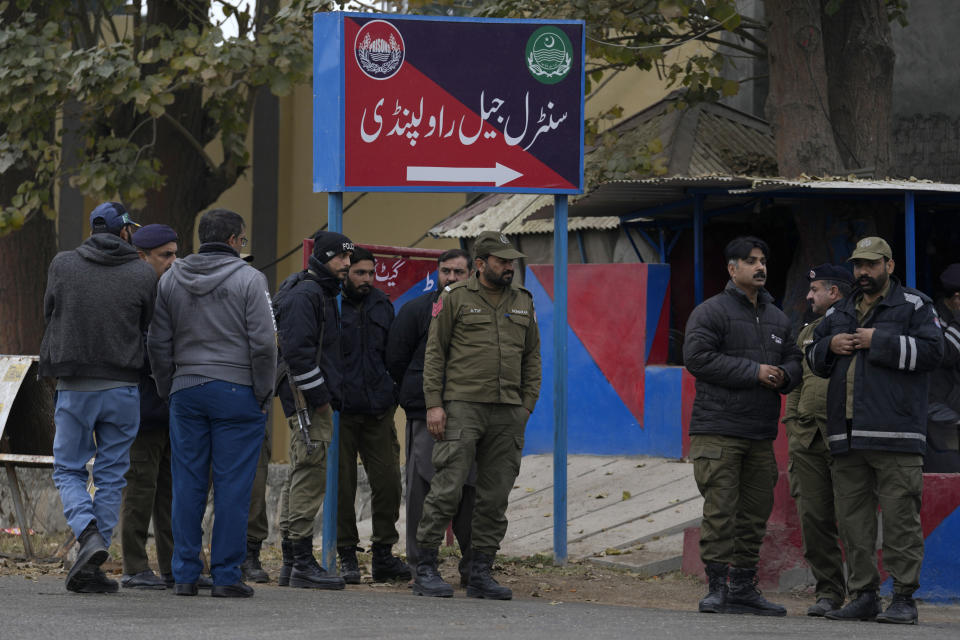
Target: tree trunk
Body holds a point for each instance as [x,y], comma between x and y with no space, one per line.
[797,106]
[858,46]
[24,258]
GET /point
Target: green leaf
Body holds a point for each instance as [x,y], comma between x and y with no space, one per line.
[730,88]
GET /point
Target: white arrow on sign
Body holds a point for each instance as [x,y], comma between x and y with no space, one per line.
[499,174]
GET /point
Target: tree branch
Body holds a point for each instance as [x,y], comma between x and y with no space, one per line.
[190,139]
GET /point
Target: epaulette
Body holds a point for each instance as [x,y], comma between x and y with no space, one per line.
[455,285]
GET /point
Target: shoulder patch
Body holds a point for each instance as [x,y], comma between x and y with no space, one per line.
[913,299]
[437,307]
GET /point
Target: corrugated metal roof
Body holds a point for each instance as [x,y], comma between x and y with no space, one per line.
[766,185]
[524,225]
[496,215]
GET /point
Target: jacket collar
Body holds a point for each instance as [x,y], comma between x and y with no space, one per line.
[763,297]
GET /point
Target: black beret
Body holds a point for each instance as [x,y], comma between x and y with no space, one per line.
[950,278]
[152,236]
[830,272]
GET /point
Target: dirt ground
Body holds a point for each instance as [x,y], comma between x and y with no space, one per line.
[529,578]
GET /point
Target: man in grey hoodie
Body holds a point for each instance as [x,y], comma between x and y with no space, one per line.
[97,305]
[212,345]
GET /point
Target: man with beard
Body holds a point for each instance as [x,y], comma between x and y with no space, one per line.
[308,333]
[366,424]
[405,350]
[877,347]
[741,351]
[481,381]
[943,416]
[811,483]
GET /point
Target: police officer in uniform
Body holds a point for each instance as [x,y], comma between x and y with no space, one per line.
[405,352]
[878,347]
[810,477]
[943,418]
[741,351]
[308,331]
[366,424]
[481,381]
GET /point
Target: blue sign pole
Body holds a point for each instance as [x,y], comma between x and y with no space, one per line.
[910,236]
[560,380]
[334,223]
[698,249]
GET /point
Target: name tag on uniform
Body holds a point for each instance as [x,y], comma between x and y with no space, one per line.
[522,312]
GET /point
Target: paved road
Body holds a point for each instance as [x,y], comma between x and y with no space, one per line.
[41,608]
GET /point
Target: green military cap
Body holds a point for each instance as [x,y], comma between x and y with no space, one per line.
[494,243]
[872,248]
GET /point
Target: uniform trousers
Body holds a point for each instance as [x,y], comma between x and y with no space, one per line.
[893,481]
[374,438]
[303,489]
[491,434]
[811,485]
[149,492]
[736,477]
[257,523]
[419,473]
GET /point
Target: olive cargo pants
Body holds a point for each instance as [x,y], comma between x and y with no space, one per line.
[374,438]
[302,492]
[149,492]
[894,482]
[811,485]
[493,435]
[736,477]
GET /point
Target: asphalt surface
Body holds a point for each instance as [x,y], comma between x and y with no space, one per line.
[42,608]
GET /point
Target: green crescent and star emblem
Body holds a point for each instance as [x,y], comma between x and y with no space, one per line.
[549,55]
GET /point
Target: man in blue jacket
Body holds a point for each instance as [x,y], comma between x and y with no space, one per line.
[741,350]
[97,305]
[366,424]
[213,350]
[877,347]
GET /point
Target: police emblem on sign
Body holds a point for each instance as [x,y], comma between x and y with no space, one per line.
[378,49]
[549,55]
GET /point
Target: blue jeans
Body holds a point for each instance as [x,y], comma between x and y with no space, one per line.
[216,425]
[113,418]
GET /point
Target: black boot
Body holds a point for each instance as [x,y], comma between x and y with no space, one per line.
[428,582]
[307,572]
[387,566]
[482,584]
[91,554]
[251,569]
[716,598]
[349,566]
[823,606]
[464,567]
[903,610]
[744,597]
[95,581]
[283,580]
[865,606]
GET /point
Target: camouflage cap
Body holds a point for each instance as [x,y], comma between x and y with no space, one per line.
[872,248]
[494,243]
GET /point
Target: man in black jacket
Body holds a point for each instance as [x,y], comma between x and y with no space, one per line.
[943,416]
[308,331]
[98,302]
[877,347]
[405,349]
[366,424]
[741,350]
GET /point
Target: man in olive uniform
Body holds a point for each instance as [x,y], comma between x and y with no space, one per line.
[481,381]
[877,347]
[810,477]
[740,348]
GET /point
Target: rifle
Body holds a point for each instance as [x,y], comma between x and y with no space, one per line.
[299,404]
